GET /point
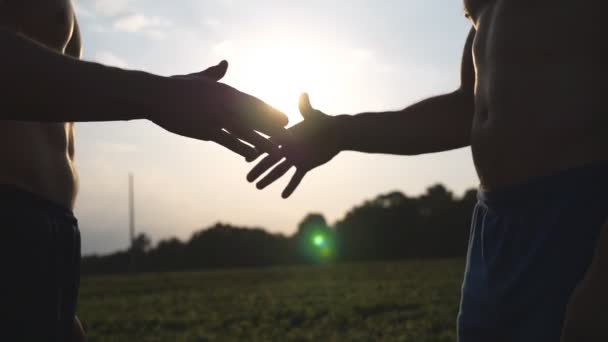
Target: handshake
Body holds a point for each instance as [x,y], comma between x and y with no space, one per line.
[235,120]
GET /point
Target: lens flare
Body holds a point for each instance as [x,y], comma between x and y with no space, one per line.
[318,240]
[317,244]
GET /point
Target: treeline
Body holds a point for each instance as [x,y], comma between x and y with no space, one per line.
[391,226]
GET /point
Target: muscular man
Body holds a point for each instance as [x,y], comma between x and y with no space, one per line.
[43,88]
[529,105]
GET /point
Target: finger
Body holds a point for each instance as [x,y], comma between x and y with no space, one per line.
[235,145]
[280,136]
[283,137]
[258,115]
[261,143]
[263,166]
[275,174]
[293,183]
[306,108]
[254,156]
[216,72]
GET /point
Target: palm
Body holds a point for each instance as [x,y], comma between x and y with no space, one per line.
[310,145]
[230,131]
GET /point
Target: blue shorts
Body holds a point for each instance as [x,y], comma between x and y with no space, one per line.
[530,245]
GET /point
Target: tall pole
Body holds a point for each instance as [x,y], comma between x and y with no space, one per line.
[131,210]
[131,223]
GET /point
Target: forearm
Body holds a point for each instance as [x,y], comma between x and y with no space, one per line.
[436,124]
[38,84]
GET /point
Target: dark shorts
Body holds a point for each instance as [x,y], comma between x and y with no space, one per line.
[40,262]
[530,245]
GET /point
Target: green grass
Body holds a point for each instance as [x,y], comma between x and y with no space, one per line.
[402,301]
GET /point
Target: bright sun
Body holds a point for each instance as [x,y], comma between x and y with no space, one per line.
[279,74]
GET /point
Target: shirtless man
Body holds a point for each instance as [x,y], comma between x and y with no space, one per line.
[530,107]
[43,88]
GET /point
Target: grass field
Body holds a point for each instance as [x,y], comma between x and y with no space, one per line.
[402,301]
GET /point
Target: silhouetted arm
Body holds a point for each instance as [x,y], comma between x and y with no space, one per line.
[78,333]
[39,84]
[437,124]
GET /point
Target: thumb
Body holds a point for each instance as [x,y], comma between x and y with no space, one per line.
[216,72]
[306,108]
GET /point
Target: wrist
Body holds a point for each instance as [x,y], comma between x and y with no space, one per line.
[151,94]
[135,94]
[123,94]
[340,130]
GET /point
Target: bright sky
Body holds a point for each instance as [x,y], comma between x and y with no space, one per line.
[350,55]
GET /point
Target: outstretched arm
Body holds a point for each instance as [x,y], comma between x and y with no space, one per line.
[39,84]
[437,124]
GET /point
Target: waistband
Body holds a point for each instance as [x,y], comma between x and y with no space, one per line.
[13,197]
[591,178]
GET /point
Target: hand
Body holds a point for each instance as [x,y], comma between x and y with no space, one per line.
[585,318]
[78,334]
[310,143]
[199,107]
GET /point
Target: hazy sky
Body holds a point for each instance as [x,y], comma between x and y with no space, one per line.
[350,55]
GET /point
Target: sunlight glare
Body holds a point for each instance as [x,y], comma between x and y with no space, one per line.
[279,74]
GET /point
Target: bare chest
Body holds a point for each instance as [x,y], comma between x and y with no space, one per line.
[49,22]
[537,33]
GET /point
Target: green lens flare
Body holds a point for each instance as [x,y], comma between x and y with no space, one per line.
[318,240]
[317,245]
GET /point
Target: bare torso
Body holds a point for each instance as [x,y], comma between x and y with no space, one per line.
[541,72]
[38,157]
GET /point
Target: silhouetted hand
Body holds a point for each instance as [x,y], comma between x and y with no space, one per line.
[585,318]
[199,107]
[78,334]
[311,143]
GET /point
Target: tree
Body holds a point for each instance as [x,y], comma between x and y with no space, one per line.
[141,243]
[315,240]
[387,227]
